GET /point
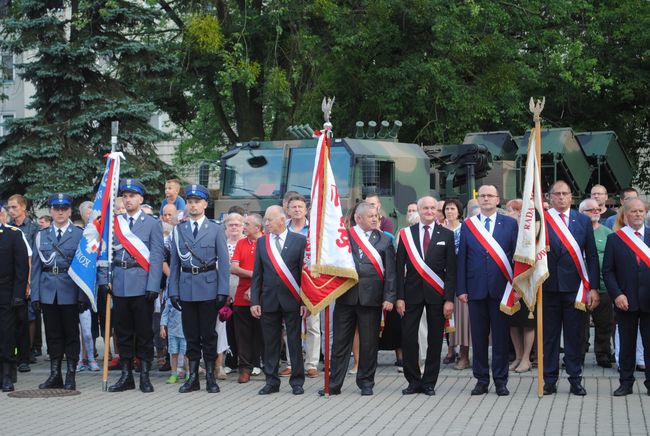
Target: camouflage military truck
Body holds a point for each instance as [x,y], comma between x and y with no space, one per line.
[255,175]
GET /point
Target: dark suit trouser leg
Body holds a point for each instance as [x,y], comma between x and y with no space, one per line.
[572,321]
[62,330]
[22,334]
[436,325]
[480,328]
[644,325]
[343,325]
[500,329]
[292,322]
[272,332]
[628,324]
[369,320]
[410,349]
[7,333]
[245,334]
[38,334]
[552,321]
[604,323]
[143,312]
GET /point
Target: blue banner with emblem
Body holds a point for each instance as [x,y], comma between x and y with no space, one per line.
[94,248]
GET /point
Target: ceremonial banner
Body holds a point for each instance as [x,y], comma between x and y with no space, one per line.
[531,267]
[94,247]
[329,269]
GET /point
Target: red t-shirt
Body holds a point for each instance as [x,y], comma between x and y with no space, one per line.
[245,255]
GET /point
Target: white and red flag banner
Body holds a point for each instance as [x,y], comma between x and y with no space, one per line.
[329,269]
[531,263]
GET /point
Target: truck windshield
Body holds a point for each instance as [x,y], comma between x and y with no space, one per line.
[301,168]
[256,173]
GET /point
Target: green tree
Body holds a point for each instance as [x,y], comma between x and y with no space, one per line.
[81,56]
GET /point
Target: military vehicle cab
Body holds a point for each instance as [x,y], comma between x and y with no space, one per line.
[256,175]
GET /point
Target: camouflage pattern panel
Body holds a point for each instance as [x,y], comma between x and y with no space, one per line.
[613,166]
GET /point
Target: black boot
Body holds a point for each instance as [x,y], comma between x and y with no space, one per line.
[210,381]
[7,384]
[55,380]
[192,383]
[126,381]
[70,382]
[145,383]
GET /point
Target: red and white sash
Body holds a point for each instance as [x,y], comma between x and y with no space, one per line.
[425,271]
[131,243]
[282,269]
[635,243]
[369,251]
[569,242]
[499,257]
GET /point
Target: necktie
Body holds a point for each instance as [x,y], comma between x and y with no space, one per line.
[426,240]
[487,224]
[564,220]
[277,243]
[196,229]
[58,235]
[638,260]
[130,223]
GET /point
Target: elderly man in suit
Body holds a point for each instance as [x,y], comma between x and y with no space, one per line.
[426,277]
[138,256]
[572,287]
[374,258]
[275,297]
[626,271]
[487,244]
[54,292]
[198,284]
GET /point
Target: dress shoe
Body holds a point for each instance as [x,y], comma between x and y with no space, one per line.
[640,368]
[24,367]
[312,373]
[449,358]
[55,380]
[480,389]
[210,382]
[7,384]
[366,391]
[297,390]
[244,377]
[333,391]
[461,364]
[286,372]
[429,390]
[70,382]
[622,391]
[411,389]
[269,389]
[502,390]
[165,367]
[550,389]
[145,382]
[577,389]
[192,383]
[126,382]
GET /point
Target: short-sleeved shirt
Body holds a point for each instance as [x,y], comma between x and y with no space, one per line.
[179,203]
[245,255]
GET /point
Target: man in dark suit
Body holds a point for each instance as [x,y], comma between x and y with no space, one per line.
[14,272]
[562,287]
[627,277]
[417,289]
[275,297]
[481,284]
[363,303]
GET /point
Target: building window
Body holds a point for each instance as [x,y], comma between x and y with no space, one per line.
[7,67]
[4,117]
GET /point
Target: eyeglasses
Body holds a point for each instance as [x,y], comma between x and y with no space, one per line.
[561,194]
[591,210]
[487,196]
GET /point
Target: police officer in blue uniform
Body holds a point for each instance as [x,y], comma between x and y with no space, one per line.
[135,284]
[55,294]
[14,272]
[198,284]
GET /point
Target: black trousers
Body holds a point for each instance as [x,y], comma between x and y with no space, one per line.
[101,312]
[22,333]
[410,346]
[560,315]
[272,332]
[133,327]
[38,335]
[62,330]
[485,319]
[604,324]
[248,333]
[199,323]
[628,325]
[7,333]
[346,318]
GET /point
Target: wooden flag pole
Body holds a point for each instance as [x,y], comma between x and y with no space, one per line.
[107,342]
[326,352]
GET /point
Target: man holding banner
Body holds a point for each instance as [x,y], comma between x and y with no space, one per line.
[571,288]
[487,244]
[374,257]
[137,269]
[426,277]
[275,297]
